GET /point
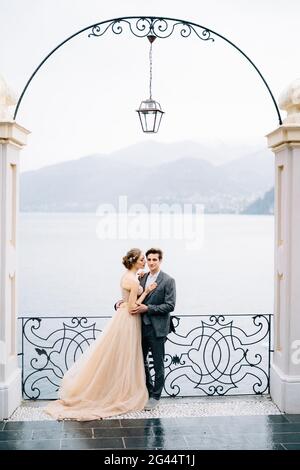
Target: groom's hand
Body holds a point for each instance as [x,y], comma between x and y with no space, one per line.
[118,304]
[139,310]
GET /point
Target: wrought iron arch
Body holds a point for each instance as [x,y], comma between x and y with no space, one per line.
[141,26]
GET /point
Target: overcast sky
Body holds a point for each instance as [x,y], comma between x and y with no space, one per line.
[83,100]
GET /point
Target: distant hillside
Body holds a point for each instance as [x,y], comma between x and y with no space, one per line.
[264,205]
[255,169]
[81,185]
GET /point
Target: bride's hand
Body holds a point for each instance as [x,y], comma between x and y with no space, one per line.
[151,287]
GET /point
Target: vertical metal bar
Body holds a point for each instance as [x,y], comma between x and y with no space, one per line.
[269,358]
[22,358]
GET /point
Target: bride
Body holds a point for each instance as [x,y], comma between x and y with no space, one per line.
[109,378]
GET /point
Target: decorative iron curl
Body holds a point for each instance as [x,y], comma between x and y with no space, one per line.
[159,27]
[100,29]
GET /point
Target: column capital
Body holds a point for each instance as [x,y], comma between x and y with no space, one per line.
[12,133]
[285,134]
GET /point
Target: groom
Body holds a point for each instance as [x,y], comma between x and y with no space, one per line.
[155,311]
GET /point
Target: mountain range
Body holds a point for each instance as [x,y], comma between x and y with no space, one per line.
[151,172]
[264,205]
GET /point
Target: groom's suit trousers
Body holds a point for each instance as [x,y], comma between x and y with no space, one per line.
[157,347]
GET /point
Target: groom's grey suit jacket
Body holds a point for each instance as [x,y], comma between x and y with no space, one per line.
[160,302]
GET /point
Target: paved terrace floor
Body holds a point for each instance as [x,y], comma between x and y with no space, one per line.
[227,423]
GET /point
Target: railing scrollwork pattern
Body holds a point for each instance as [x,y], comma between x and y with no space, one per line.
[220,355]
[207,355]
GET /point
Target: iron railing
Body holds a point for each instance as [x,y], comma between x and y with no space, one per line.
[207,355]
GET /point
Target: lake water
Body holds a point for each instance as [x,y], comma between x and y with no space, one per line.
[68,266]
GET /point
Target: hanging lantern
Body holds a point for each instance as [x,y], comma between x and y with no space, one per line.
[150,112]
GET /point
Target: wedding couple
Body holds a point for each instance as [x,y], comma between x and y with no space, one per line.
[112,376]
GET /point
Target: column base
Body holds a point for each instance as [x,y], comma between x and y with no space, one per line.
[10,395]
[285,391]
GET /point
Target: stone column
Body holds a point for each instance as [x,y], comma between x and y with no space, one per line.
[12,139]
[285,143]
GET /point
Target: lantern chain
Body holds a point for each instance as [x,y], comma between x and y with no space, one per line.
[150,60]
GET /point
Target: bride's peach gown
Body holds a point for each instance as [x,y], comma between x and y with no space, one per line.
[109,378]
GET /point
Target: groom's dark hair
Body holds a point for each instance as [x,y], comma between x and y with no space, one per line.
[155,251]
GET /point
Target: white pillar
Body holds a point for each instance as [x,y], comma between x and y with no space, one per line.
[12,139]
[285,143]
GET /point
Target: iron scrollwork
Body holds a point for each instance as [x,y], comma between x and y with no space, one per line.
[48,353]
[206,355]
[224,355]
[145,26]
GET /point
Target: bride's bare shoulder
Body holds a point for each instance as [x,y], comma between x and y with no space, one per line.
[128,282]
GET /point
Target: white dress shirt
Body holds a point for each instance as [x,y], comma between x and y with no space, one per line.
[151,278]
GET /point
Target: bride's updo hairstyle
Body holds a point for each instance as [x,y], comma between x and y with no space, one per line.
[131,257]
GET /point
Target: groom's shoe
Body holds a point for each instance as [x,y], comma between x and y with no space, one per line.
[151,404]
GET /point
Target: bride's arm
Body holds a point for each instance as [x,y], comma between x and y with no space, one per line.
[142,297]
[145,293]
[133,301]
